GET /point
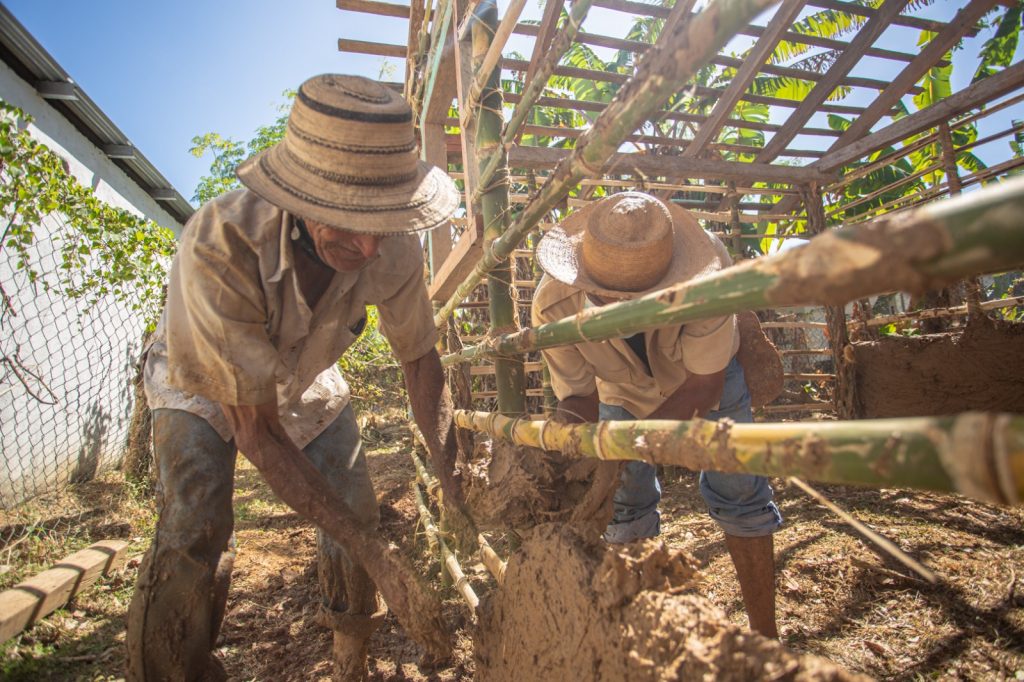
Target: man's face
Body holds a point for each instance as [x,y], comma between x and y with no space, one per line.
[343,251]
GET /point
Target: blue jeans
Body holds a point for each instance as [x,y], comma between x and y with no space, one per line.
[740,503]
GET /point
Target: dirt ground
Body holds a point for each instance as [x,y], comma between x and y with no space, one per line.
[837,597]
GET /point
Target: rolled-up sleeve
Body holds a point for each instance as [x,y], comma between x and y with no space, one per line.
[708,345]
[217,343]
[406,318]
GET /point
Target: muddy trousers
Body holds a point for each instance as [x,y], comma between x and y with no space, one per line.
[182,588]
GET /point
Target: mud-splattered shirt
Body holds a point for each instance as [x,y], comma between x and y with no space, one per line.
[614,370]
[236,328]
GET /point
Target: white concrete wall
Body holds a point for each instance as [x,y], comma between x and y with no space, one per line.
[84,356]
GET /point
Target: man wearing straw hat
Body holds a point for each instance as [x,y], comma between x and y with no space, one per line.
[268,289]
[622,247]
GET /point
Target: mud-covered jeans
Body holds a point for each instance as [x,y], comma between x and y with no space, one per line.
[740,503]
[181,593]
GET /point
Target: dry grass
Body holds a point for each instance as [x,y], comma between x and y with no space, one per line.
[837,597]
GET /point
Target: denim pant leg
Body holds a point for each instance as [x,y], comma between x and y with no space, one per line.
[182,586]
[742,504]
[635,502]
[338,454]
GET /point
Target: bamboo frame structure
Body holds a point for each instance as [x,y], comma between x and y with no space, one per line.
[898,246]
[976,454]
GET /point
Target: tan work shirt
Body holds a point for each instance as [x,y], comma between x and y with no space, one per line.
[614,370]
[237,330]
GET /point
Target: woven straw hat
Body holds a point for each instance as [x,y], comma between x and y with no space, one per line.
[349,159]
[627,245]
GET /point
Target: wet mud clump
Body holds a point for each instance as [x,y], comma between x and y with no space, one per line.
[572,609]
[512,487]
[981,368]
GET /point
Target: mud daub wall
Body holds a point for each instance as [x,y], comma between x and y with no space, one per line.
[981,368]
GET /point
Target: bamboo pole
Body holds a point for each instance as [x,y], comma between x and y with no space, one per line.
[490,559]
[483,71]
[504,315]
[661,72]
[927,249]
[880,541]
[533,89]
[450,563]
[976,454]
[985,306]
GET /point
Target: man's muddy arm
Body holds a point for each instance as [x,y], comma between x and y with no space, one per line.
[433,411]
[293,477]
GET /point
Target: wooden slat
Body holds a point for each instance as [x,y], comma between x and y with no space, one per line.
[440,76]
[865,11]
[34,599]
[757,56]
[833,78]
[381,9]
[997,85]
[377,49]
[799,407]
[548,23]
[458,265]
[669,166]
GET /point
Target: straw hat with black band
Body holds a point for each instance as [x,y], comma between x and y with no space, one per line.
[627,245]
[349,160]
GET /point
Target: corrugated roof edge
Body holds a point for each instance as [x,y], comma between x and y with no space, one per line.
[26,57]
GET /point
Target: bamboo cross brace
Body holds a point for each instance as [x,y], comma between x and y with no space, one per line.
[980,455]
[882,542]
[914,251]
[451,564]
[662,71]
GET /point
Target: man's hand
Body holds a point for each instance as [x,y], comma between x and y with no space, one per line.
[432,409]
[696,397]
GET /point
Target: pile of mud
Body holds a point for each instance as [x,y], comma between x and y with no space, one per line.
[572,609]
[940,374]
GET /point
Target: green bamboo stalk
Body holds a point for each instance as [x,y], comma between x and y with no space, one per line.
[508,373]
[976,454]
[450,563]
[663,70]
[563,39]
[915,251]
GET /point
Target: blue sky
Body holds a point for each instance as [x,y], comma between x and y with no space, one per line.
[167,71]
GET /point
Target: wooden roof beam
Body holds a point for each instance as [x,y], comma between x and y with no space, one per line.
[535,158]
[521,65]
[1006,81]
[709,129]
[942,43]
[380,9]
[644,9]
[833,77]
[376,49]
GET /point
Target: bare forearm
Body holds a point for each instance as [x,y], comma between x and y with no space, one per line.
[433,411]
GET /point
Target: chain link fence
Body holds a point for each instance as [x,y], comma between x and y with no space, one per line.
[67,370]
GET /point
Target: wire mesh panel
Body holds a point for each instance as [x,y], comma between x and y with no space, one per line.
[66,380]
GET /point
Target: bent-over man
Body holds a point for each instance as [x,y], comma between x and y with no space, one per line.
[620,248]
[268,289]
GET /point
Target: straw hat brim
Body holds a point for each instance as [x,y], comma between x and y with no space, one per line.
[693,254]
[422,202]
